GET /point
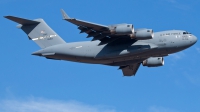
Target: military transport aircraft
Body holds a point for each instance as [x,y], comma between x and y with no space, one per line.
[114,45]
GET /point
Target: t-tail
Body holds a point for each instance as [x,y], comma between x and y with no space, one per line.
[38,31]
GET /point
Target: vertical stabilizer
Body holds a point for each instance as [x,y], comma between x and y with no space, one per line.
[38,31]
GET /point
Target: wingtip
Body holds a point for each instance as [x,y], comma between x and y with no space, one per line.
[6,16]
[22,21]
[65,16]
[9,17]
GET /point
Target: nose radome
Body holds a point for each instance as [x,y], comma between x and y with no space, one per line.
[194,39]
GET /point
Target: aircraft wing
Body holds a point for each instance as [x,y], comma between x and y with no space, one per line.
[97,31]
[84,24]
[130,70]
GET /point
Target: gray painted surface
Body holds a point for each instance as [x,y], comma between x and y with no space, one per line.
[123,51]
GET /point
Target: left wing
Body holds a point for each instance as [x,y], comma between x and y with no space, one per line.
[107,34]
[84,24]
[130,70]
[97,31]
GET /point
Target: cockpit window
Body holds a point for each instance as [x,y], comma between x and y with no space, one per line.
[186,33]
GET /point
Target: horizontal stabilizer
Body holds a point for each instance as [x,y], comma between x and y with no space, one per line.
[22,20]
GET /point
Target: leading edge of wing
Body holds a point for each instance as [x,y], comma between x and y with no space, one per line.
[81,22]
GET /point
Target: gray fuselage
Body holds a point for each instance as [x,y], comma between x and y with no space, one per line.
[122,51]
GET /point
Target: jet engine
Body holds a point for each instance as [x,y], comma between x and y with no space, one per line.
[122,29]
[128,29]
[143,34]
[153,62]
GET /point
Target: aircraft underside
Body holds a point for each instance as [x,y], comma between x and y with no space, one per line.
[115,60]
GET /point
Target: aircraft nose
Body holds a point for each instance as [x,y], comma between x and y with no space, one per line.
[194,39]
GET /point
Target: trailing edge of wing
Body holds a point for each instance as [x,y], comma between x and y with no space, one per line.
[21,20]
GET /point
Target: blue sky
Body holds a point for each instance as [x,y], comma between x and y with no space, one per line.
[34,84]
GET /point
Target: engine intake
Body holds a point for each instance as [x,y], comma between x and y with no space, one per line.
[153,62]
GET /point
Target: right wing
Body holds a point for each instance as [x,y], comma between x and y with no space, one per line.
[130,70]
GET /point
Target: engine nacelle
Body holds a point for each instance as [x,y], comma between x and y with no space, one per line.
[143,34]
[153,62]
[122,29]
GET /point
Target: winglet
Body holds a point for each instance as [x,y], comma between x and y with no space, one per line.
[65,16]
[21,20]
